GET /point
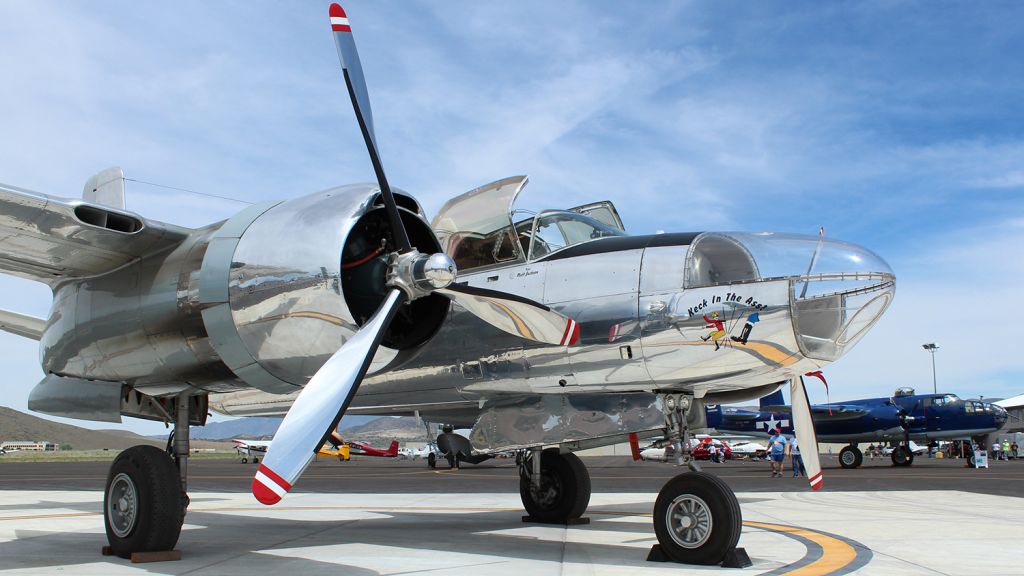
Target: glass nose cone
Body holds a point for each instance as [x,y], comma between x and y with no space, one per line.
[837,289]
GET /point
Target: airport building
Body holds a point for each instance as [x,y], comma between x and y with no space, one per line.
[29,445]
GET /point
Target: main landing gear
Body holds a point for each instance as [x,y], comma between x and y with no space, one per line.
[851,456]
[554,487]
[145,499]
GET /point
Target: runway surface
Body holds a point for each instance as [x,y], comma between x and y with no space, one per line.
[607,473]
[395,517]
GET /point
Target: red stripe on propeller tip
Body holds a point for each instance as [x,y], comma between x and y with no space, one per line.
[336,11]
[816,481]
[263,494]
[571,333]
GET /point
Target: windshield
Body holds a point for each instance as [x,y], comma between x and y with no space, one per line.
[551,231]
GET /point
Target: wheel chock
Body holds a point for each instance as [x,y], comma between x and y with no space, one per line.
[567,522]
[161,556]
[143,557]
[735,558]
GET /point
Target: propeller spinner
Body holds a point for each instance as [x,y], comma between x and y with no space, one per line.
[410,275]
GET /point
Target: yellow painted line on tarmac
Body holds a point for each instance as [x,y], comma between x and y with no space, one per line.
[836,554]
[43,516]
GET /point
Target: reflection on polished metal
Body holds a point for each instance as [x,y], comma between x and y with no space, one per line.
[439,270]
[548,419]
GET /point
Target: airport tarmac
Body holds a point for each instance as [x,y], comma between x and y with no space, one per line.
[387,517]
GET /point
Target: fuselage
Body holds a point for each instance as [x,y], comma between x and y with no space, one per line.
[250,308]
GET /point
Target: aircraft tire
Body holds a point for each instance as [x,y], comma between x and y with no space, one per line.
[432,460]
[850,457]
[143,504]
[709,509]
[564,488]
[245,460]
[255,460]
[902,456]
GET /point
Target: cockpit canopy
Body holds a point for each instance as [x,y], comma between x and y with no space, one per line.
[476,229]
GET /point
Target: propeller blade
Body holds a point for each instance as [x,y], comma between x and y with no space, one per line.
[803,427]
[317,409]
[352,70]
[516,315]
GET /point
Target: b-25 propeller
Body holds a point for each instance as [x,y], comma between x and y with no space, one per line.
[410,275]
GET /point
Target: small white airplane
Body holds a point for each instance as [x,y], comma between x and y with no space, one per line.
[414,453]
[914,448]
[749,449]
[254,449]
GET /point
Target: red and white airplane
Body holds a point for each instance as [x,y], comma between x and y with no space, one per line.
[357,448]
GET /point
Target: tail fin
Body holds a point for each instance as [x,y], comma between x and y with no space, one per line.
[393,449]
[773,399]
[714,416]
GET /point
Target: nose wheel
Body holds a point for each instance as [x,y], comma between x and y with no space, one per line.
[902,456]
[697,519]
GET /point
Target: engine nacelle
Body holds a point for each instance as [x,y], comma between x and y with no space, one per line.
[283,286]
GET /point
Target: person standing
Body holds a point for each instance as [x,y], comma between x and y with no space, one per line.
[995,450]
[1006,449]
[777,452]
[1014,449]
[796,458]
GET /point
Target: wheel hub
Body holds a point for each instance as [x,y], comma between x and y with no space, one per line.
[689,521]
[550,492]
[122,507]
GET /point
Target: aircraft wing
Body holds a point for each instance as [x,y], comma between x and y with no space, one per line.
[838,412]
[825,411]
[51,239]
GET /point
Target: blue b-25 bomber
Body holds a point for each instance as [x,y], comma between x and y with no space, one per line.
[896,420]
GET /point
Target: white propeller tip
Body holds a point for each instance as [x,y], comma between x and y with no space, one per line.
[268,487]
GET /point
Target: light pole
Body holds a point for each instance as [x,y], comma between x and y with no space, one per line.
[932,348]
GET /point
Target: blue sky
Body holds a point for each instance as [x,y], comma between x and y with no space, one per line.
[896,125]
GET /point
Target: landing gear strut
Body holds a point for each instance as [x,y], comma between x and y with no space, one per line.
[554,487]
[145,499]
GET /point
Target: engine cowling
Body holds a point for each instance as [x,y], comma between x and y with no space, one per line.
[288,285]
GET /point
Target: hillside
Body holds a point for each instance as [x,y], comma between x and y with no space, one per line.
[380,431]
[15,425]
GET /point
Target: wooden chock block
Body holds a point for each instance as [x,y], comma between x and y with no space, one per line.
[107,551]
[161,556]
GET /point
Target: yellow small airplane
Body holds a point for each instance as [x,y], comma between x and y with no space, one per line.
[341,452]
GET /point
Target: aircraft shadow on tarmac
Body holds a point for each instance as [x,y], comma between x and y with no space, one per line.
[223,539]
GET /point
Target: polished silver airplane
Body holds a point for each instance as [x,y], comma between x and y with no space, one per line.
[544,333]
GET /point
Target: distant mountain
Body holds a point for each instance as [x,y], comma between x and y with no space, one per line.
[257,427]
[15,425]
[386,423]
